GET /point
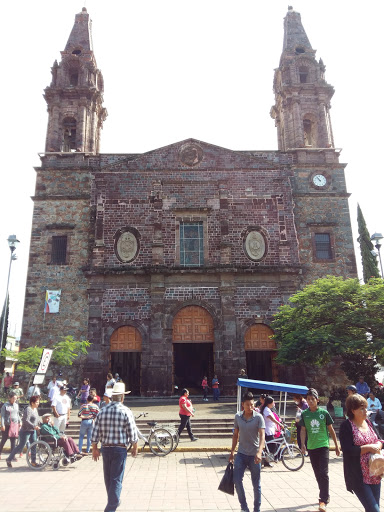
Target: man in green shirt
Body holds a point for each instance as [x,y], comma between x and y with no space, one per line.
[70,448]
[318,423]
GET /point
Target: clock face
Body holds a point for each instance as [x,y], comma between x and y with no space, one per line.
[319,180]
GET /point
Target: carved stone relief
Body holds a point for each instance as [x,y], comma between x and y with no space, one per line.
[126,247]
[255,246]
[191,154]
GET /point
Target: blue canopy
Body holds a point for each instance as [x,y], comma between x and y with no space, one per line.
[272,386]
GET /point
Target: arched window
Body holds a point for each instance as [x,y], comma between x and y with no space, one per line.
[303,74]
[310,131]
[73,77]
[69,135]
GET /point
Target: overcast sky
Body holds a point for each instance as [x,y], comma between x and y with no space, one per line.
[175,69]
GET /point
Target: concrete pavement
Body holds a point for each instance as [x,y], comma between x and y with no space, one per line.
[179,482]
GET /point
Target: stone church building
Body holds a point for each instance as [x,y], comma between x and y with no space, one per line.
[173,262]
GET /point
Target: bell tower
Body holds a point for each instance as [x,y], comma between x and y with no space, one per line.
[302,96]
[75,95]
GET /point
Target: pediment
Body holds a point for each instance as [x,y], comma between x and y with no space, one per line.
[194,154]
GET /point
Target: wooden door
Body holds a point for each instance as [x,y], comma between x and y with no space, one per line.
[193,324]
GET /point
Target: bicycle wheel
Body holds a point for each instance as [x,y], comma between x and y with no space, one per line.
[160,442]
[175,437]
[39,455]
[292,457]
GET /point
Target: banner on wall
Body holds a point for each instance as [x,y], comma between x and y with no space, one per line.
[52,301]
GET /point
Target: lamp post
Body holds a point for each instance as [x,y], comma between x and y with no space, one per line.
[376,237]
[12,243]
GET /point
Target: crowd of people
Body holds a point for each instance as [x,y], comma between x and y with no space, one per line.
[109,423]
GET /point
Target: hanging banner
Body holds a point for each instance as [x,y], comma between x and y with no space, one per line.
[52,301]
[44,361]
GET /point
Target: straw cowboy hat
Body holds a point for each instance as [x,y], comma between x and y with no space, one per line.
[119,389]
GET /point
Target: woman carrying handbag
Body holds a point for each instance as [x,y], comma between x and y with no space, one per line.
[10,422]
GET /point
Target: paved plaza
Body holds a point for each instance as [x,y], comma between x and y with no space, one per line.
[180,482]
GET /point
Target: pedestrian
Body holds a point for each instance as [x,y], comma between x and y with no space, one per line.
[317,423]
[95,396]
[249,430]
[215,388]
[27,433]
[54,390]
[84,391]
[52,383]
[115,428]
[301,405]
[7,381]
[17,390]
[374,405]
[358,440]
[204,385]
[61,408]
[117,377]
[87,413]
[351,389]
[106,398]
[110,381]
[362,387]
[270,422]
[33,390]
[186,411]
[9,413]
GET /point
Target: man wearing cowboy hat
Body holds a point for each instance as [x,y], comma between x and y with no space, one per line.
[115,428]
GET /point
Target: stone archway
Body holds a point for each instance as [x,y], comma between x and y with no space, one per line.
[126,346]
[261,351]
[193,339]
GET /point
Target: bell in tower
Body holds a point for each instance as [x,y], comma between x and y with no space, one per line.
[75,96]
[302,96]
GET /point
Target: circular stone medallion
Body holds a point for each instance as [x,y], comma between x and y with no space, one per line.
[191,154]
[126,247]
[255,245]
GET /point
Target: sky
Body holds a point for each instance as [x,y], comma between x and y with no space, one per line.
[175,69]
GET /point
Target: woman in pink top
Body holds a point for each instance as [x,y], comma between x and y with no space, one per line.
[204,385]
[185,413]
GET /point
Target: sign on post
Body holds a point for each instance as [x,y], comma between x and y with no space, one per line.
[44,362]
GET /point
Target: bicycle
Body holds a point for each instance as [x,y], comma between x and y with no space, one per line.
[162,439]
[289,454]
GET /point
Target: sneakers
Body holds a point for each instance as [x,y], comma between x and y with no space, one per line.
[9,464]
[194,438]
[322,506]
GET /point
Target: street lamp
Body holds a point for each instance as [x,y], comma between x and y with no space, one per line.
[376,237]
[12,243]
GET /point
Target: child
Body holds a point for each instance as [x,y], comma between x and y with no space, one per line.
[318,423]
[204,385]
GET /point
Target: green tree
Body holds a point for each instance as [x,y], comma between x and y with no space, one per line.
[65,352]
[331,317]
[369,261]
[359,364]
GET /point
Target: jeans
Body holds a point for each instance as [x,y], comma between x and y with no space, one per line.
[369,497]
[319,458]
[24,436]
[86,427]
[216,394]
[114,459]
[241,463]
[4,437]
[185,421]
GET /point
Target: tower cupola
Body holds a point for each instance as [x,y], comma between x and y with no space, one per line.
[302,96]
[75,95]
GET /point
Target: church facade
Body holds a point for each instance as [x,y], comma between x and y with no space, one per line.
[173,262]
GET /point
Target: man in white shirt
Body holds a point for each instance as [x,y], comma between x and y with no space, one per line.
[33,390]
[52,383]
[61,408]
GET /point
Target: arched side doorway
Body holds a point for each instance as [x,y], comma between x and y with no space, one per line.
[192,337]
[126,345]
[260,352]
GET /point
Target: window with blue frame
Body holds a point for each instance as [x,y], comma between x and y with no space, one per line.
[191,244]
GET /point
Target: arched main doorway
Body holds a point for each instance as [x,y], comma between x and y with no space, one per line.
[193,338]
[126,356]
[260,352]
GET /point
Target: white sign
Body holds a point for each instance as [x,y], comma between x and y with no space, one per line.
[38,379]
[45,359]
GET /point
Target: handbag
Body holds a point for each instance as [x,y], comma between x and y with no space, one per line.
[13,429]
[226,484]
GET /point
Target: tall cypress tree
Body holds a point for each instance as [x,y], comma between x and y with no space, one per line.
[368,260]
